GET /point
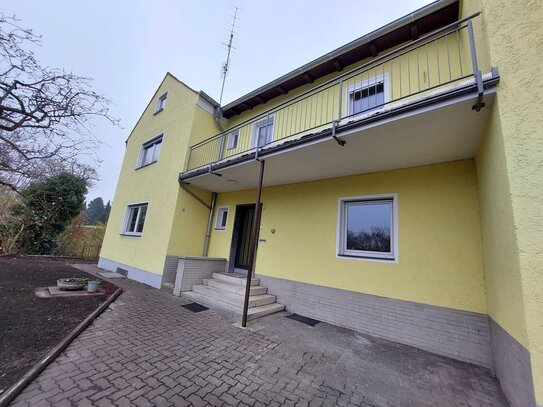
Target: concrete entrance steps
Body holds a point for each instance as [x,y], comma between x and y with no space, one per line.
[226,292]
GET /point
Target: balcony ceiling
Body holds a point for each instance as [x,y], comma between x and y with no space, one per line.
[447,131]
[408,28]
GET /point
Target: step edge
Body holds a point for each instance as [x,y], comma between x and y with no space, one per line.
[254,312]
[236,280]
[234,287]
[241,298]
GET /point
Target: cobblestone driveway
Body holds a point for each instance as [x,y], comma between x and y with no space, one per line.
[146,350]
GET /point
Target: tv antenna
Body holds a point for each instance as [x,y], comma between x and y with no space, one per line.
[229,47]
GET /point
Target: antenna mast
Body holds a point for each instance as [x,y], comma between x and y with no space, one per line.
[229,47]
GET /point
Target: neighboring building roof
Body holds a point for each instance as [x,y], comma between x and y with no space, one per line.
[409,27]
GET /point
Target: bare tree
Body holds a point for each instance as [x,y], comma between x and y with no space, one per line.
[46,114]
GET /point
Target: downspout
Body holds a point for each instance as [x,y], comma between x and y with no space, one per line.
[209,220]
[213,194]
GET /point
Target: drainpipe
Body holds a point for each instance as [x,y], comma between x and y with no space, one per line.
[209,220]
[213,194]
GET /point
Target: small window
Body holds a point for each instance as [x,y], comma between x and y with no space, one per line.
[233,138]
[161,103]
[221,218]
[367,227]
[263,132]
[366,96]
[150,151]
[135,219]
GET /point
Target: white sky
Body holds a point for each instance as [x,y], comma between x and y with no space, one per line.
[128,45]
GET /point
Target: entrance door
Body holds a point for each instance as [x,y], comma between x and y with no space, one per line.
[243,225]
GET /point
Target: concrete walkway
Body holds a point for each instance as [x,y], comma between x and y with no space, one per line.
[146,350]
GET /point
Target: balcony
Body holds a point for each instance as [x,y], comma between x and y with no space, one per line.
[419,104]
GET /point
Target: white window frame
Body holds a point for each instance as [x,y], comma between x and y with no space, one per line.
[218,218]
[258,125]
[341,233]
[161,102]
[232,140]
[129,207]
[364,85]
[152,143]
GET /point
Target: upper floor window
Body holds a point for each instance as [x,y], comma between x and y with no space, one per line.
[135,219]
[263,131]
[368,227]
[150,151]
[232,140]
[367,95]
[161,103]
[221,218]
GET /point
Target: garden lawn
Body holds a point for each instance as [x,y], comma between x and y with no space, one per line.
[31,326]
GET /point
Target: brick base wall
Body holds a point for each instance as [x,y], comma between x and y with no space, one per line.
[192,270]
[461,335]
[133,273]
[170,269]
[512,367]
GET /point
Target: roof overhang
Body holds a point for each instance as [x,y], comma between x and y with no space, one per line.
[445,130]
[407,28]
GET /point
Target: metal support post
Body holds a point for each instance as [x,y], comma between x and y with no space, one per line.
[221,147]
[339,114]
[476,72]
[253,245]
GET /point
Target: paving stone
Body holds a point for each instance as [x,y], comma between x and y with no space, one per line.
[146,350]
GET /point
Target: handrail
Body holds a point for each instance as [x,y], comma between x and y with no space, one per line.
[313,100]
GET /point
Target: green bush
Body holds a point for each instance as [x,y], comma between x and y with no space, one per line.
[32,222]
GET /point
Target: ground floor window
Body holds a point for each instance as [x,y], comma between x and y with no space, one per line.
[367,227]
[221,218]
[135,219]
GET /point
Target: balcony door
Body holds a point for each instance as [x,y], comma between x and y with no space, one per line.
[263,132]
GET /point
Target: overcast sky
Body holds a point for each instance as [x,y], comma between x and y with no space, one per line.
[128,45]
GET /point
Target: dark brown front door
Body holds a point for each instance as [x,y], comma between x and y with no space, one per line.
[243,223]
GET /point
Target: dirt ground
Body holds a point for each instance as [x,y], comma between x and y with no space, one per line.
[31,326]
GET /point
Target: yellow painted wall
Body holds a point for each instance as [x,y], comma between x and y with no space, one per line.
[440,259]
[188,226]
[190,216]
[510,172]
[156,183]
[500,247]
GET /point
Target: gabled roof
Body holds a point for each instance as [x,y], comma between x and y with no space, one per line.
[201,94]
[409,27]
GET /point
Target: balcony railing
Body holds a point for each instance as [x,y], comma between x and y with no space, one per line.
[435,64]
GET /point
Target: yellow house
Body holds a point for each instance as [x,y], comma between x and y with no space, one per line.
[401,190]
